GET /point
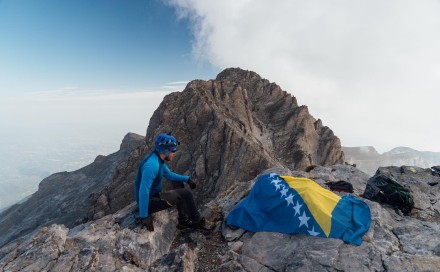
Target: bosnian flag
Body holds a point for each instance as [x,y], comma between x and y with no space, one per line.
[300,205]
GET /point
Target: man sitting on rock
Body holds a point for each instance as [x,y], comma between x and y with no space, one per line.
[148,188]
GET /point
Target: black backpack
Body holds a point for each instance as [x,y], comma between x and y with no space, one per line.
[340,186]
[384,189]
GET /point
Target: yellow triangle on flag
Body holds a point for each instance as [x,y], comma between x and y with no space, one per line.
[320,202]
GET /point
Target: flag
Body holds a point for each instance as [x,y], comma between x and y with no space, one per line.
[299,205]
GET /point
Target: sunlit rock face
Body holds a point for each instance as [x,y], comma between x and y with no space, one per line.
[394,242]
[230,129]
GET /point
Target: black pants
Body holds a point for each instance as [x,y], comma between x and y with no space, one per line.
[181,198]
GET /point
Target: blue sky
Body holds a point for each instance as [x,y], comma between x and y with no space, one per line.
[369,69]
[100,44]
[77,75]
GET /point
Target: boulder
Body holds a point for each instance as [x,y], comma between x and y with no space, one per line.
[116,243]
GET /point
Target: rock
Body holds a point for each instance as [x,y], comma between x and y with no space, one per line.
[419,180]
[391,243]
[230,128]
[95,246]
[181,259]
[116,243]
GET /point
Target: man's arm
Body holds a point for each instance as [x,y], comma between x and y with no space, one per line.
[171,176]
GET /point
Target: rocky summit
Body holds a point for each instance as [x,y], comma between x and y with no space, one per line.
[232,129]
[394,242]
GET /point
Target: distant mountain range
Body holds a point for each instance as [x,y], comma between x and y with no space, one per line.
[368,159]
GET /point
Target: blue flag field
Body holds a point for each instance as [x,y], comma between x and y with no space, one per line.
[299,205]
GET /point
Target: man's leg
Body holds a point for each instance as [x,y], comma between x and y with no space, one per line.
[185,203]
[156,204]
[177,185]
[181,210]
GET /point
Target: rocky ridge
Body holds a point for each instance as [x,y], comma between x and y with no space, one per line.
[115,243]
[231,128]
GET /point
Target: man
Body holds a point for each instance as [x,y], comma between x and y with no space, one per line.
[148,187]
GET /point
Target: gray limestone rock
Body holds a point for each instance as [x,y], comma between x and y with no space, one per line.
[101,245]
[424,186]
[393,243]
[230,128]
[116,243]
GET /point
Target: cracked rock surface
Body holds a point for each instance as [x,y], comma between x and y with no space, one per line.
[116,243]
[232,129]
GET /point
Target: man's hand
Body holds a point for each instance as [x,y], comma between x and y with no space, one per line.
[148,222]
[191,184]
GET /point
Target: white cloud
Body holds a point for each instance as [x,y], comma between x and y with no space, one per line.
[369,69]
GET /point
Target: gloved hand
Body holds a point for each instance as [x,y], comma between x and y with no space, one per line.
[191,184]
[148,222]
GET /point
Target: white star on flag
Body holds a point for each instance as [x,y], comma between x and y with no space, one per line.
[284,192]
[313,232]
[289,200]
[297,208]
[278,187]
[303,220]
[272,175]
[276,181]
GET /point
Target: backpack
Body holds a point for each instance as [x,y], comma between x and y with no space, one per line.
[340,186]
[384,189]
[435,171]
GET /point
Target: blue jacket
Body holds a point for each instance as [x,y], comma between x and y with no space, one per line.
[148,181]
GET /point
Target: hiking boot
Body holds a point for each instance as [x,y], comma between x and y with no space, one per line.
[185,224]
[203,224]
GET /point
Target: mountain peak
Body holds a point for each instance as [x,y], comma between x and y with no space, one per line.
[401,149]
[237,74]
[230,129]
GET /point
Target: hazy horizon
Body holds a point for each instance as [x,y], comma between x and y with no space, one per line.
[370,70]
[32,151]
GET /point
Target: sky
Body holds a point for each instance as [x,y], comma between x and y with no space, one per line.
[370,70]
[89,70]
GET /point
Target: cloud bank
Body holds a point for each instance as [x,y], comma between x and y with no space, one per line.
[369,69]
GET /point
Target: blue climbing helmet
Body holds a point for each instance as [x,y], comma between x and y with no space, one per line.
[165,143]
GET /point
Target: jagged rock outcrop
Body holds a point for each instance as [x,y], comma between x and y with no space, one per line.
[65,198]
[115,243]
[424,185]
[231,128]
